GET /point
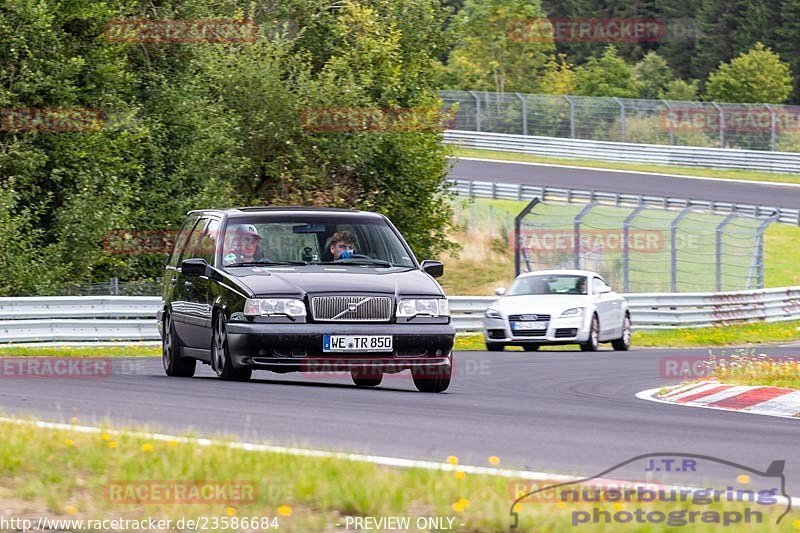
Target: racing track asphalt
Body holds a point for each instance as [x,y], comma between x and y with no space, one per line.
[744,192]
[566,412]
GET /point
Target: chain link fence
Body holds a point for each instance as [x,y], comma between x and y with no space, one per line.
[113,287]
[668,122]
[644,249]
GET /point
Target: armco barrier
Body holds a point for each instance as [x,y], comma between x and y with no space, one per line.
[124,318]
[657,154]
[517,191]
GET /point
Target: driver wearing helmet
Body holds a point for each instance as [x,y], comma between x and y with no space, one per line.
[243,245]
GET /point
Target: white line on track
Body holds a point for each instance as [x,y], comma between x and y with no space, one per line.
[306,452]
[618,171]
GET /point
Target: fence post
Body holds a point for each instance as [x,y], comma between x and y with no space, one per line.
[759,252]
[524,113]
[577,236]
[571,116]
[673,252]
[477,110]
[622,119]
[772,135]
[113,284]
[671,128]
[626,258]
[721,125]
[718,248]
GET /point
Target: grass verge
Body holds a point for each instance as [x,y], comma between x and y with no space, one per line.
[744,175]
[80,351]
[79,475]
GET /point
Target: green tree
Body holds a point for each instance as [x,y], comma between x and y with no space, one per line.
[756,76]
[653,75]
[608,75]
[559,77]
[679,90]
[495,51]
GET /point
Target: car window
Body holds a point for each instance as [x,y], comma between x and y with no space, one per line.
[208,242]
[600,286]
[548,284]
[309,239]
[192,249]
[180,241]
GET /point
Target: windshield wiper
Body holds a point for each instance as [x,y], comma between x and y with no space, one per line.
[360,261]
[265,263]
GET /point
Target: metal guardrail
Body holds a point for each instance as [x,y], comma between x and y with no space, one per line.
[34,321]
[722,158]
[515,191]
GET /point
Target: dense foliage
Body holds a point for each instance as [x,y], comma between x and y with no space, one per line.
[191,125]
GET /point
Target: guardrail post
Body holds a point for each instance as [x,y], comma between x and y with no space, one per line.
[626,258]
[571,116]
[621,118]
[718,248]
[721,125]
[477,110]
[577,232]
[673,252]
[113,285]
[524,113]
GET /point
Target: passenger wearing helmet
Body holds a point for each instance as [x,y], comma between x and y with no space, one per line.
[243,245]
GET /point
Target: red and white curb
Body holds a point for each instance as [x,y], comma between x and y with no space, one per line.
[760,400]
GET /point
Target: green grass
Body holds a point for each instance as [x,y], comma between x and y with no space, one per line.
[66,474]
[745,175]
[733,335]
[80,351]
[755,369]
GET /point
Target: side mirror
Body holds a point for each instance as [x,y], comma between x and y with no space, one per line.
[500,291]
[194,267]
[604,290]
[434,268]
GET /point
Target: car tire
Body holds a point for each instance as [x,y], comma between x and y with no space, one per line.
[623,344]
[593,343]
[530,347]
[366,379]
[174,364]
[220,354]
[494,347]
[433,379]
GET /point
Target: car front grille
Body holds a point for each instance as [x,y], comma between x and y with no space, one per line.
[530,318]
[352,308]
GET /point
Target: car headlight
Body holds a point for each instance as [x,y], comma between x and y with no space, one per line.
[411,307]
[290,307]
[574,311]
[492,313]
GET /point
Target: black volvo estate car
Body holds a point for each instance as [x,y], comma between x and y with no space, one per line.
[303,289]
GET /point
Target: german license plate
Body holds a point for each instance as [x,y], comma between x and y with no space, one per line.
[357,343]
[529,325]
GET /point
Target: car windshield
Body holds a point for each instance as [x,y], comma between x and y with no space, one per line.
[548,284]
[300,240]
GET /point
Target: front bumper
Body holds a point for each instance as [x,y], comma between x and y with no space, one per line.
[561,330]
[298,347]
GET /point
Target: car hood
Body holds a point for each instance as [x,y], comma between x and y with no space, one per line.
[337,280]
[544,304]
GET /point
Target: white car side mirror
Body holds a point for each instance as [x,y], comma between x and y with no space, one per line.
[604,290]
[500,291]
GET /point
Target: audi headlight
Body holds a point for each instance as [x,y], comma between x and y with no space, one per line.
[412,307]
[574,311]
[492,313]
[290,307]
